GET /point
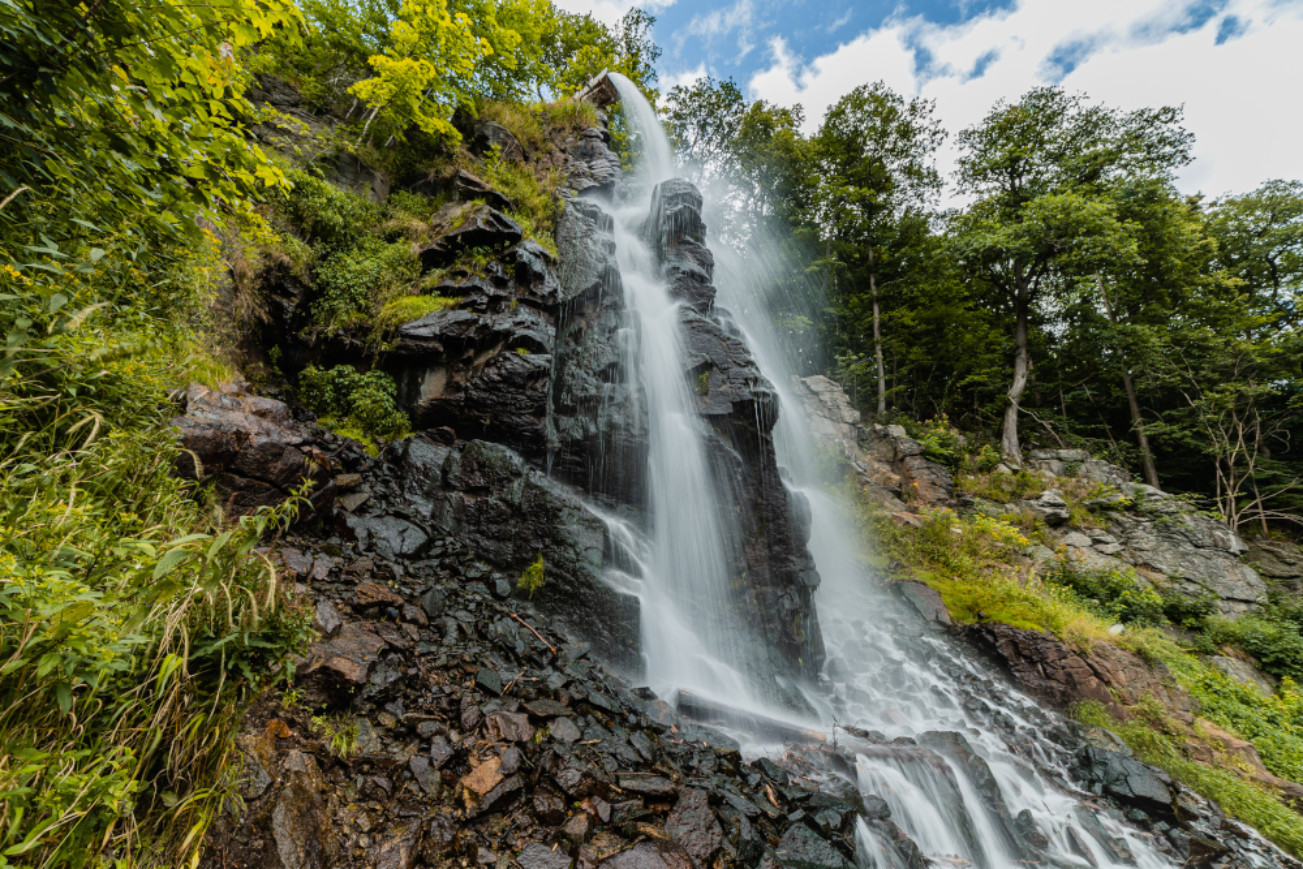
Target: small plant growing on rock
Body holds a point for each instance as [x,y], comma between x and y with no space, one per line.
[532,579]
[340,735]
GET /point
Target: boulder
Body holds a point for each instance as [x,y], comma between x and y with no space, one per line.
[470,227]
[250,448]
[1062,676]
[491,137]
[1130,782]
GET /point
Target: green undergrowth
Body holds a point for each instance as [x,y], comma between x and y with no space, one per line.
[136,622]
[1156,741]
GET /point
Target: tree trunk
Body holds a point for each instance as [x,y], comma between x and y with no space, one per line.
[1147,466]
[877,340]
[1021,368]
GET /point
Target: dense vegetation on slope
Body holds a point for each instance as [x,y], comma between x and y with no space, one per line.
[136,619]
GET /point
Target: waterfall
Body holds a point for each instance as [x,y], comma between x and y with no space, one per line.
[689,637]
[967,790]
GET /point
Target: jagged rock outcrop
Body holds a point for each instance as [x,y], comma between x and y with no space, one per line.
[1077,464]
[1055,673]
[741,407]
[885,459]
[1170,544]
[484,367]
[598,424]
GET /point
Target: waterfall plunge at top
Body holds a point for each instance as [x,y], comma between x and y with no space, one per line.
[962,763]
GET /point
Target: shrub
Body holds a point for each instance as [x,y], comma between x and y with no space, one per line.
[942,442]
[1117,595]
[1278,646]
[354,284]
[325,213]
[355,401]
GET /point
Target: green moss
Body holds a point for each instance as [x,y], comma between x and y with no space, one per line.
[405,309]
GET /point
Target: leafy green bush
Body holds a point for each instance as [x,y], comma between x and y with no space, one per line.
[325,213]
[355,401]
[1277,645]
[942,442]
[1118,595]
[353,284]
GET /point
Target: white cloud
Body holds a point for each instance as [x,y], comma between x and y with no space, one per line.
[718,23]
[1240,98]
[667,82]
[610,11]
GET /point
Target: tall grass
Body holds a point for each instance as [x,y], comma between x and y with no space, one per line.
[135,621]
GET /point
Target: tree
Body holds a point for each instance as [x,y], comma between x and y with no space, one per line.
[875,154]
[704,120]
[1260,241]
[426,67]
[111,105]
[582,47]
[1043,169]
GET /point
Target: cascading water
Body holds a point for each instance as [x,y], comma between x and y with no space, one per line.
[958,758]
[689,640]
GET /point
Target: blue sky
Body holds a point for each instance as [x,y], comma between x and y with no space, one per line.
[733,37]
[1235,65]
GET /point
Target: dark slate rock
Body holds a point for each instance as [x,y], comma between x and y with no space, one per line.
[802,848]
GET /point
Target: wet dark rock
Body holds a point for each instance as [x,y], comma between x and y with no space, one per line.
[537,856]
[338,668]
[694,827]
[598,431]
[650,855]
[400,849]
[460,184]
[489,680]
[563,730]
[426,774]
[250,448]
[300,826]
[592,168]
[925,600]
[490,137]
[477,226]
[508,727]
[326,618]
[647,785]
[1134,784]
[802,848]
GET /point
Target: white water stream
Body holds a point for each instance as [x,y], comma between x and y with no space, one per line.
[885,673]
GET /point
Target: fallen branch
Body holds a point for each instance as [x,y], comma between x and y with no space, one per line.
[551,648]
